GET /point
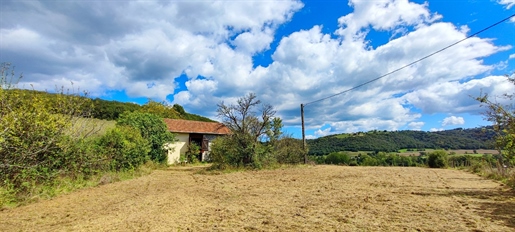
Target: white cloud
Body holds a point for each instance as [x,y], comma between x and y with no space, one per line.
[415,125]
[146,43]
[456,97]
[311,137]
[322,133]
[453,120]
[512,56]
[436,129]
[142,47]
[508,3]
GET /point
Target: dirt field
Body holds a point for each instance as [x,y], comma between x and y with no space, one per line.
[320,198]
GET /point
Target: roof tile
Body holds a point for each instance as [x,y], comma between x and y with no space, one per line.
[187,126]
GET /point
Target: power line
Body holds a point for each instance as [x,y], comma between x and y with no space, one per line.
[414,62]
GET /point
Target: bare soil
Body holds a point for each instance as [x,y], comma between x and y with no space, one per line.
[314,198]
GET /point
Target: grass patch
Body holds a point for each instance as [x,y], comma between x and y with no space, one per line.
[497,172]
[10,198]
[85,127]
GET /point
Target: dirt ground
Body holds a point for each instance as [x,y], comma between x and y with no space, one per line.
[314,198]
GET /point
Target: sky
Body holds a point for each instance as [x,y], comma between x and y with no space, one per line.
[288,52]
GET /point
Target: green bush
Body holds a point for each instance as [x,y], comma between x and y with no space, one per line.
[437,159]
[337,158]
[153,129]
[192,153]
[124,147]
[289,151]
[223,152]
[35,132]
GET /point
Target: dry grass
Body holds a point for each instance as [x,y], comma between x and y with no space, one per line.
[319,198]
[86,127]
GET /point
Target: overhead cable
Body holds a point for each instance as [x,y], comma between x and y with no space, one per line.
[412,63]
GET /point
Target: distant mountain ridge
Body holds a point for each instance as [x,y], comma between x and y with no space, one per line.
[392,141]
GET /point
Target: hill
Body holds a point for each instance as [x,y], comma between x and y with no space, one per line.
[392,141]
[111,110]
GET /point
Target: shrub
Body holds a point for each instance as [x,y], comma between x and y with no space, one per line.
[437,159]
[124,147]
[192,153]
[289,151]
[224,153]
[337,158]
[35,132]
[153,129]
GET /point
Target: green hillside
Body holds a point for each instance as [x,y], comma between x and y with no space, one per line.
[111,110]
[393,141]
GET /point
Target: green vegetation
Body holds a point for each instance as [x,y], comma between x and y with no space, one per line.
[124,146]
[371,159]
[437,159]
[108,110]
[153,129]
[112,110]
[48,141]
[256,140]
[394,141]
[503,117]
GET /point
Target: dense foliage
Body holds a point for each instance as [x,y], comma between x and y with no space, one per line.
[437,159]
[153,129]
[34,132]
[111,110]
[45,138]
[107,110]
[478,138]
[124,147]
[370,159]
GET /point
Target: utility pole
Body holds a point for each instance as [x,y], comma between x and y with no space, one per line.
[303,134]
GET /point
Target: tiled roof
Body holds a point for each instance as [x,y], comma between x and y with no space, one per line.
[187,126]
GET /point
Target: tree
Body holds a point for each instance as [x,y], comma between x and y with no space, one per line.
[248,120]
[503,117]
[160,109]
[153,129]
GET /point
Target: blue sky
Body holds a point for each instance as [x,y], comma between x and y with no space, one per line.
[199,53]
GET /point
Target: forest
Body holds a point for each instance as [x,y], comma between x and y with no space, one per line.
[393,141]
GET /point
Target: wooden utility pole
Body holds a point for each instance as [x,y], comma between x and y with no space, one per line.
[303,134]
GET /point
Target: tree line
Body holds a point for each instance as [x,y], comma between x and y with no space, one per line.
[434,159]
[393,141]
[109,110]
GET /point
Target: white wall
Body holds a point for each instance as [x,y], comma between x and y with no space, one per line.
[179,147]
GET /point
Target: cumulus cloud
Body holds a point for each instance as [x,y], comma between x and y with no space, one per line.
[453,120]
[415,125]
[131,45]
[143,47]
